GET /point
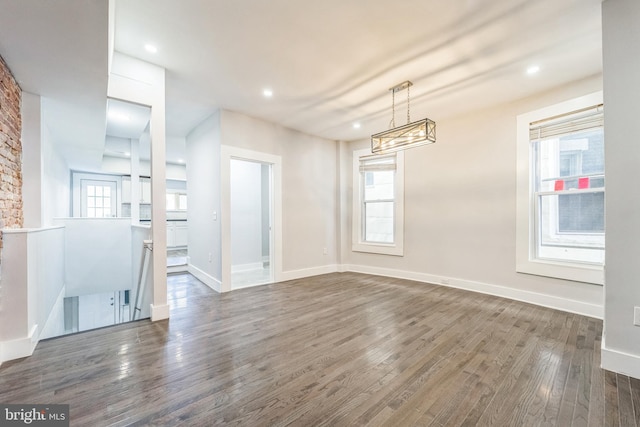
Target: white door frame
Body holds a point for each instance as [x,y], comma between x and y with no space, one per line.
[227,153]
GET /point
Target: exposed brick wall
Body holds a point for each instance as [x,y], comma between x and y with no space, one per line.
[10,150]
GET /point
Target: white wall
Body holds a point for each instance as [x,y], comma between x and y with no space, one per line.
[621,44]
[203,178]
[32,160]
[309,189]
[121,166]
[98,255]
[32,289]
[246,215]
[57,181]
[460,210]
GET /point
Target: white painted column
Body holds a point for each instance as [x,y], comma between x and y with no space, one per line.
[159,308]
[144,83]
[621,42]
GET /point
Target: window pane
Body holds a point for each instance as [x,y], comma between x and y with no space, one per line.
[182,202]
[581,213]
[107,202]
[378,222]
[571,227]
[99,213]
[570,156]
[171,201]
[106,191]
[98,191]
[91,212]
[91,202]
[91,190]
[378,185]
[99,202]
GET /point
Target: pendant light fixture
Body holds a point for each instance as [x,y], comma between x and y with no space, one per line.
[410,135]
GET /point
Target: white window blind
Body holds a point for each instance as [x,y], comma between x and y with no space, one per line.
[577,121]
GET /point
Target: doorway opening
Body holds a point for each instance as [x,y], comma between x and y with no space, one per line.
[251,217]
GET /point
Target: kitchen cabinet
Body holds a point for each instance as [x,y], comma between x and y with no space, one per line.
[176,234]
[145,190]
[126,190]
[144,193]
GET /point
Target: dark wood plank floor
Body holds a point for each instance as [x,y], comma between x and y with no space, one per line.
[335,350]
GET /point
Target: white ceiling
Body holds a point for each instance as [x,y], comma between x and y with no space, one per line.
[329,63]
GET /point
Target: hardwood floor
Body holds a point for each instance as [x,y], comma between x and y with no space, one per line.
[338,349]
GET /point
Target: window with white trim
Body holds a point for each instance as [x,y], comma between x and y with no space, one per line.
[378,206]
[564,186]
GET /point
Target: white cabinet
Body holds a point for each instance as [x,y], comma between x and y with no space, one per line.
[126,190]
[145,190]
[181,233]
[176,234]
[144,193]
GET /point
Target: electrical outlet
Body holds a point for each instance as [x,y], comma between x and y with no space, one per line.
[324,251]
[636,316]
[210,257]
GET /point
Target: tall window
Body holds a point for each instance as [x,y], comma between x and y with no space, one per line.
[98,198]
[565,203]
[99,201]
[378,202]
[378,195]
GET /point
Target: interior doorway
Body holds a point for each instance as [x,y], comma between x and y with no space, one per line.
[251,221]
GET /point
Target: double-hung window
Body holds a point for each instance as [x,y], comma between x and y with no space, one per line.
[562,186]
[378,203]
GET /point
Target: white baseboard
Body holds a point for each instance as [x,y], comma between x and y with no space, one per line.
[177,269]
[159,312]
[308,272]
[22,347]
[563,304]
[205,278]
[620,362]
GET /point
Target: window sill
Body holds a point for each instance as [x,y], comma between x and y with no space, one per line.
[378,248]
[568,271]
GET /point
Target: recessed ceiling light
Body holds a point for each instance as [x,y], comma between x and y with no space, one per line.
[356,125]
[268,93]
[533,70]
[128,154]
[150,48]
[180,160]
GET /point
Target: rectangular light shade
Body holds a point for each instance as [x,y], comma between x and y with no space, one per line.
[408,136]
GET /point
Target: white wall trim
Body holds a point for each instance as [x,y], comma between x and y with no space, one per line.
[620,362]
[227,153]
[30,230]
[308,272]
[205,278]
[22,347]
[159,312]
[526,258]
[544,300]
